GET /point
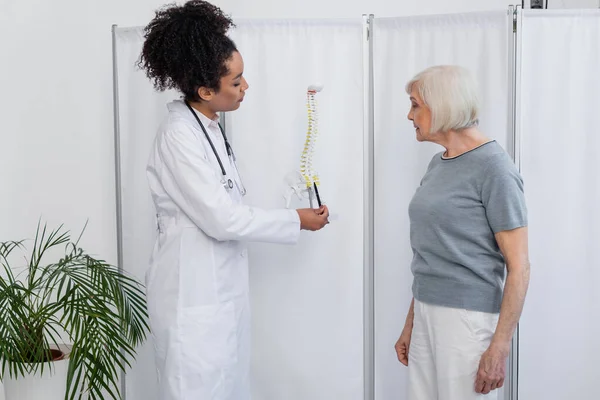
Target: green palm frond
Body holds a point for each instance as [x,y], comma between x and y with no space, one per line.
[102,310]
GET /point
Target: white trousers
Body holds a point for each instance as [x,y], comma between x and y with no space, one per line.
[444,353]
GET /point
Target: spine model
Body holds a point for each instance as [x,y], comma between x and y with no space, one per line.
[307,170]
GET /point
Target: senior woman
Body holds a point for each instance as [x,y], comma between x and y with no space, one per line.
[468,232]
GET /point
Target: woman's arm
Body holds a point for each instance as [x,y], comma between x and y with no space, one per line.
[514,247]
[403,343]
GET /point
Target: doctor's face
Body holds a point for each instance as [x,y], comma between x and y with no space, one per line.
[420,115]
[232,87]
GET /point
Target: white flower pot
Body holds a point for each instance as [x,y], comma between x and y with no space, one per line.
[49,385]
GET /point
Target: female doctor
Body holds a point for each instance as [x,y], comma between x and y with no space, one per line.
[197,284]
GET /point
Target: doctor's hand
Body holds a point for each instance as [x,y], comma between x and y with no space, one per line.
[313,219]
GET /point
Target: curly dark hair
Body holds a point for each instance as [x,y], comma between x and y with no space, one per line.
[186,47]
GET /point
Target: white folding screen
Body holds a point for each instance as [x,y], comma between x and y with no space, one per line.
[559,116]
[307,299]
[403,47]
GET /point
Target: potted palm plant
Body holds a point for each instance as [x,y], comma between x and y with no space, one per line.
[75,299]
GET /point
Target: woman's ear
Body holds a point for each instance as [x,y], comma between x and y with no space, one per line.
[205,93]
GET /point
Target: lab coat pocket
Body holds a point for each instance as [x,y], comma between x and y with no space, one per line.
[209,348]
[197,278]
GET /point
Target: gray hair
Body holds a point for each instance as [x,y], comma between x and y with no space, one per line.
[450,92]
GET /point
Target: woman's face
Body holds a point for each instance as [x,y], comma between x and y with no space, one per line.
[420,115]
[232,87]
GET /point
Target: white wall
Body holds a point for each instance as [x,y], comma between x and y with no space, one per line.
[56,152]
[571,3]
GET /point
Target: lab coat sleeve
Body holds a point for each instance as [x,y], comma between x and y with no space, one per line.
[191,182]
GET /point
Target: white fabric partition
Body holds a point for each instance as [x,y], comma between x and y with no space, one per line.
[559,119]
[308,299]
[403,47]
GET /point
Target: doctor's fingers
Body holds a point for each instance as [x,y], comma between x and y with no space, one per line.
[321,219]
[325,215]
[311,220]
[323,211]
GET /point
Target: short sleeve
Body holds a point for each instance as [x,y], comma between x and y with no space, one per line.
[503,195]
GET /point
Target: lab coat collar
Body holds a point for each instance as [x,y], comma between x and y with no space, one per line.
[179,107]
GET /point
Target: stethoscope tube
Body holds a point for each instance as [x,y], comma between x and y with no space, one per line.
[230,154]
[227,146]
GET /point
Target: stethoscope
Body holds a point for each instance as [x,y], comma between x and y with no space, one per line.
[228,183]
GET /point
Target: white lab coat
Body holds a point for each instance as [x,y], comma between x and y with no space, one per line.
[197,284]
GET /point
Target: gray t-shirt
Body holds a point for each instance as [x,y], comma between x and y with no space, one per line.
[461,203]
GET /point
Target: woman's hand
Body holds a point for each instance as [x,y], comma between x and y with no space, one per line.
[313,219]
[403,344]
[492,369]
